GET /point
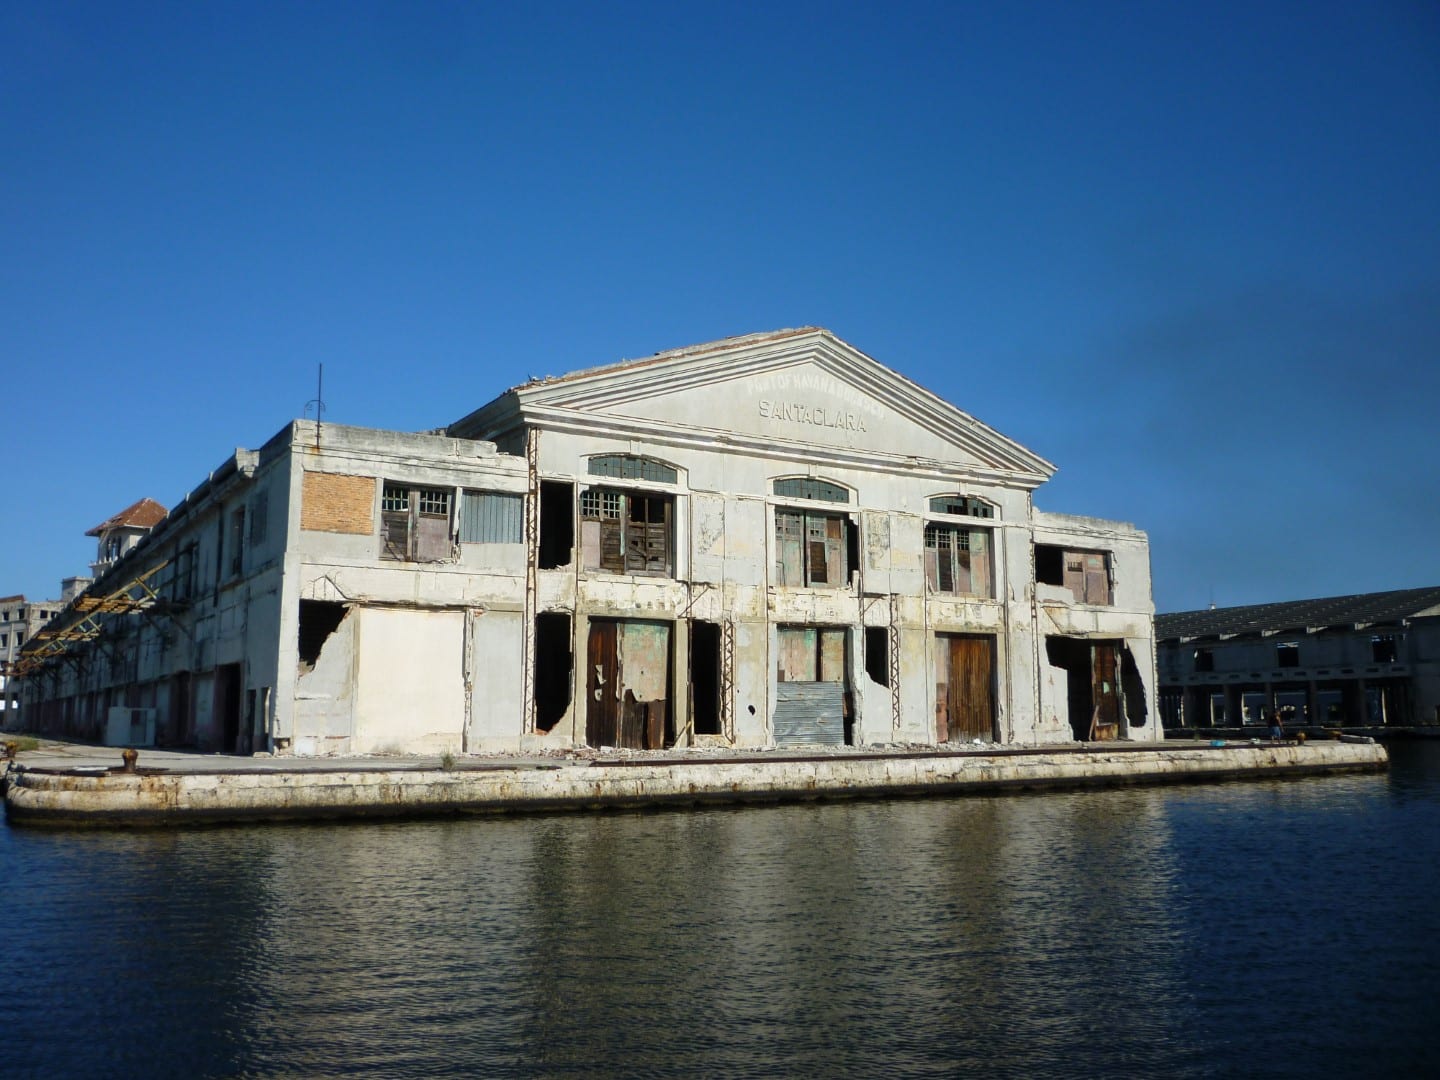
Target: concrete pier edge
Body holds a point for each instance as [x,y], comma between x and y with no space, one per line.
[157,798]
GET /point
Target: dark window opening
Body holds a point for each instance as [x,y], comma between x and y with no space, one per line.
[1384,649]
[318,620]
[961,504]
[557,523]
[1287,654]
[237,541]
[705,677]
[1132,689]
[1204,660]
[1085,573]
[554,665]
[877,654]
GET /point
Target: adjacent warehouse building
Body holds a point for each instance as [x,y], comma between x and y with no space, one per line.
[770,540]
[1369,660]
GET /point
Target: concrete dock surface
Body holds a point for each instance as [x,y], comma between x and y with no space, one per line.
[73,785]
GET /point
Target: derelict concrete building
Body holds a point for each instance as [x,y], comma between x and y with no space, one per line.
[770,540]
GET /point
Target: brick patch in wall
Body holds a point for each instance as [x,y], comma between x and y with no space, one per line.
[333,502]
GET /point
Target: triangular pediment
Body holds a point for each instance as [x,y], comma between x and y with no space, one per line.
[801,389]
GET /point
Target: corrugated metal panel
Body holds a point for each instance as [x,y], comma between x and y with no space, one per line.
[489,517]
[810,714]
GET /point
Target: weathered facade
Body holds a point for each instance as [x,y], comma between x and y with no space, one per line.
[20,620]
[767,541]
[1366,660]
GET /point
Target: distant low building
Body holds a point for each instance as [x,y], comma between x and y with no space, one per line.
[20,619]
[1368,660]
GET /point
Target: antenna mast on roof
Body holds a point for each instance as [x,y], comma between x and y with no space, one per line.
[319,402]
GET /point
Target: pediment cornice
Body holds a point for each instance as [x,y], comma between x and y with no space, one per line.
[597,400]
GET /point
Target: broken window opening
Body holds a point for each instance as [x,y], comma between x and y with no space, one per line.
[957,560]
[877,654]
[554,668]
[237,541]
[1085,573]
[705,677]
[318,620]
[1092,688]
[1287,654]
[1384,649]
[967,505]
[814,550]
[627,532]
[557,524]
[415,524]
[1204,660]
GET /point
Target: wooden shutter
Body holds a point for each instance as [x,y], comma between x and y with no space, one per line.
[789,558]
[395,534]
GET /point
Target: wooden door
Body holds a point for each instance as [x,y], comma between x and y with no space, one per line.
[1105,683]
[965,687]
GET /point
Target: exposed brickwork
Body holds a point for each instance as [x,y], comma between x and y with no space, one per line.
[331,502]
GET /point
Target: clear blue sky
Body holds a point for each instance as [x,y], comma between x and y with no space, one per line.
[1188,252]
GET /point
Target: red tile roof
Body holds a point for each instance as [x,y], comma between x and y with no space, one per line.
[145,514]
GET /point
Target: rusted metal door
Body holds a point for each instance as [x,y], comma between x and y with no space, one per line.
[627,684]
[1105,683]
[964,687]
[602,700]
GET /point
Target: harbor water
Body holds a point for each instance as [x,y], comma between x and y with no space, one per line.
[1270,928]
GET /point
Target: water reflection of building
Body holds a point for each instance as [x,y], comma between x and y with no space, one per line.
[1368,660]
[771,540]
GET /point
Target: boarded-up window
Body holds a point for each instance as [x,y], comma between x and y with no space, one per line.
[626,532]
[490,517]
[415,524]
[331,502]
[810,654]
[811,549]
[958,560]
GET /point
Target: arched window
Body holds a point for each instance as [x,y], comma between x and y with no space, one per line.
[814,549]
[625,531]
[807,487]
[967,505]
[631,467]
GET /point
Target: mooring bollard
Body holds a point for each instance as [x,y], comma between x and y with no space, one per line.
[129,756]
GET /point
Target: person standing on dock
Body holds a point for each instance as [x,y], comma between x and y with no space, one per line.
[1277,725]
